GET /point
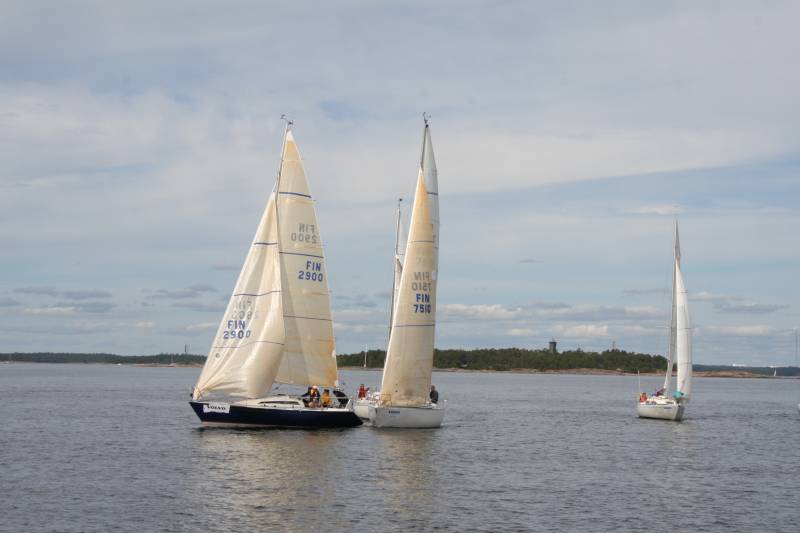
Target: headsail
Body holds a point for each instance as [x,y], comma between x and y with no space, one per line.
[683,336]
[310,352]
[245,354]
[409,357]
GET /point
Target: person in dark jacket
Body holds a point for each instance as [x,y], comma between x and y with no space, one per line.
[434,394]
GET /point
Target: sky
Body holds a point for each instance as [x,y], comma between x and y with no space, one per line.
[139,142]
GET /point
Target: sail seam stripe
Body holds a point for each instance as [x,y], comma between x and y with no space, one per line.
[295,194]
[252,294]
[308,318]
[420,241]
[433,193]
[265,243]
[306,255]
[247,344]
[414,326]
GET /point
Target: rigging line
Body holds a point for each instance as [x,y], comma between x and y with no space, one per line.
[394,266]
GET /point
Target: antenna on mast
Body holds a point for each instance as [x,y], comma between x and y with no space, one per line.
[425,117]
[286,119]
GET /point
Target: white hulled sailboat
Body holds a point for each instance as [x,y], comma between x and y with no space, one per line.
[666,405]
[277,326]
[404,397]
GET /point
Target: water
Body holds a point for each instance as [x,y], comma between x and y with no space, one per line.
[99,448]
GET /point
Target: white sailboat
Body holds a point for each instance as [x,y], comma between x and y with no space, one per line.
[277,326]
[404,398]
[664,404]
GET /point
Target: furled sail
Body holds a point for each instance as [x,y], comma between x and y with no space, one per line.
[683,336]
[310,352]
[409,357]
[245,354]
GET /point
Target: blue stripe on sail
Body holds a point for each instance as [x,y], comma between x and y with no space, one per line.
[414,326]
[295,194]
[265,243]
[246,344]
[308,318]
[251,294]
[433,193]
[306,255]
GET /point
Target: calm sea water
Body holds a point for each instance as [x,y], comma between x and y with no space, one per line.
[100,448]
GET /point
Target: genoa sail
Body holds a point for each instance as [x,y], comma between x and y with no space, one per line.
[247,349]
[683,337]
[409,358]
[309,355]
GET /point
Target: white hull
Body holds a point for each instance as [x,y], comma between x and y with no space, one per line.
[663,409]
[427,416]
[361,408]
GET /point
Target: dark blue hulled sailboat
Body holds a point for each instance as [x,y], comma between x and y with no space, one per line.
[277,326]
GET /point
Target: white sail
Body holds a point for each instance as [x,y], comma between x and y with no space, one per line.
[310,352]
[683,336]
[245,354]
[428,165]
[673,317]
[409,357]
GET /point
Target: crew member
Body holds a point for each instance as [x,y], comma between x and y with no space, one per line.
[434,394]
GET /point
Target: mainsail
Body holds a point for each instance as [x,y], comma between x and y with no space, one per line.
[409,357]
[245,354]
[310,352]
[277,326]
[428,165]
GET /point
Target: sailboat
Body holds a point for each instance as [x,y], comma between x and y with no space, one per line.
[277,327]
[664,404]
[404,397]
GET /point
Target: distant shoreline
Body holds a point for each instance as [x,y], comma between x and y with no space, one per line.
[595,372]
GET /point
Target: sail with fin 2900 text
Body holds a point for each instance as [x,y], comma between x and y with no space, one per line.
[277,326]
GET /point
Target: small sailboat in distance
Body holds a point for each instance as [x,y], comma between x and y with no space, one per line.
[405,399]
[662,404]
[277,326]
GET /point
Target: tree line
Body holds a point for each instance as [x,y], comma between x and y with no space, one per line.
[522,359]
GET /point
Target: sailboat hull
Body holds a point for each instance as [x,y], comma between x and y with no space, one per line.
[244,416]
[428,416]
[662,410]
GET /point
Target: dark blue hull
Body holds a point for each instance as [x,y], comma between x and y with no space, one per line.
[242,416]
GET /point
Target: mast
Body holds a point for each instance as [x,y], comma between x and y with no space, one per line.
[394,264]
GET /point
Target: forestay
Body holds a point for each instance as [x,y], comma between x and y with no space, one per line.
[310,353]
[409,357]
[245,354]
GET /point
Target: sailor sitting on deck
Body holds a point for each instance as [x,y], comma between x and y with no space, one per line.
[434,394]
[326,398]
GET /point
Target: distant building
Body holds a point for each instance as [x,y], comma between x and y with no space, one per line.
[553,349]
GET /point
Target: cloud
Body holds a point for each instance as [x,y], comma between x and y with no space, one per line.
[203,326]
[749,308]
[738,331]
[640,292]
[531,261]
[479,311]
[86,294]
[200,306]
[662,210]
[581,331]
[5,301]
[50,311]
[45,290]
[181,294]
[522,332]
